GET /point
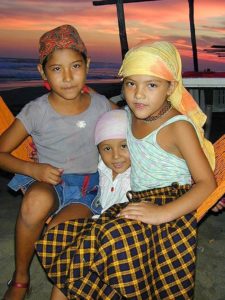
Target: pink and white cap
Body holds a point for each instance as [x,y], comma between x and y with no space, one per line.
[111,125]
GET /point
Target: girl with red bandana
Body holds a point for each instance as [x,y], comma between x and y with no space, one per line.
[65,180]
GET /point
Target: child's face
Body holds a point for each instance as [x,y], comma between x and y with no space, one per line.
[66,72]
[146,94]
[115,155]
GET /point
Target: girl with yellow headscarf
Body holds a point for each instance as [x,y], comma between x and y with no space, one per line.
[168,151]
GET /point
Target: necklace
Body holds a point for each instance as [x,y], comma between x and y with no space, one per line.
[166,108]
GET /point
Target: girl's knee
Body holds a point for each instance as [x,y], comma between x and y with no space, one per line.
[38,202]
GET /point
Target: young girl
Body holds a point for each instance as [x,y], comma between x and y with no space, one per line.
[61,124]
[146,250]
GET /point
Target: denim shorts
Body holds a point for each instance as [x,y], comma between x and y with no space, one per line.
[74,188]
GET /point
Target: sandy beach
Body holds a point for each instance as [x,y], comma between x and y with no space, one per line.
[210,282]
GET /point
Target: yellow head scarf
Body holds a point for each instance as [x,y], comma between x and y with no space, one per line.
[162,59]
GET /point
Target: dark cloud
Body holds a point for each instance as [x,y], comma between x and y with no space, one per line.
[35,7]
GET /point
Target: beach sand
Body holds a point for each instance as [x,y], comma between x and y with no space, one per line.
[210,282]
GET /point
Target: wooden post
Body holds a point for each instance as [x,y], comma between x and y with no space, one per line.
[121,19]
[109,2]
[193,37]
[122,28]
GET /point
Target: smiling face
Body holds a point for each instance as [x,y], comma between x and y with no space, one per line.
[146,94]
[66,71]
[115,155]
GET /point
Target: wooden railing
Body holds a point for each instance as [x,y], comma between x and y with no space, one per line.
[210,95]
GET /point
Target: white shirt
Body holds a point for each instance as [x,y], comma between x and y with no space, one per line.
[112,191]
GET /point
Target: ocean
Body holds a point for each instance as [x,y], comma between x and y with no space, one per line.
[22,72]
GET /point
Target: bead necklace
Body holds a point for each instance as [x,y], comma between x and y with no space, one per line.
[166,108]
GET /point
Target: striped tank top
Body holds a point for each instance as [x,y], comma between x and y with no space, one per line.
[151,166]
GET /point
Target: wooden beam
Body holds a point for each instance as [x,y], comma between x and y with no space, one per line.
[121,19]
[193,37]
[108,2]
[218,50]
[122,28]
[218,46]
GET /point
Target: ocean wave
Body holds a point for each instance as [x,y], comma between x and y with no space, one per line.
[26,69]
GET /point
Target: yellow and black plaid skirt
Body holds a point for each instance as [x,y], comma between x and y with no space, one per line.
[116,258]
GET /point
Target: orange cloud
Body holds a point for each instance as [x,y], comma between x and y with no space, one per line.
[22,22]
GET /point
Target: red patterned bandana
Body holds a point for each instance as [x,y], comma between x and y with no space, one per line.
[62,37]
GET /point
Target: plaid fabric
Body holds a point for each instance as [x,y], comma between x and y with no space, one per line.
[115,258]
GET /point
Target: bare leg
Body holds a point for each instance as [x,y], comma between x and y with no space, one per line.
[57,294]
[72,211]
[39,201]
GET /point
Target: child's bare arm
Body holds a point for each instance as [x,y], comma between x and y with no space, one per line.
[220,205]
[113,105]
[204,181]
[187,142]
[9,141]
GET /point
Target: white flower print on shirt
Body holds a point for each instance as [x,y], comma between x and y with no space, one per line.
[81,124]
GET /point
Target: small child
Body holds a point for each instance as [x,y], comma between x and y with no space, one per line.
[146,249]
[114,166]
[61,123]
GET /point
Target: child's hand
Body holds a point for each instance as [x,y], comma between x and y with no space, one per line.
[33,154]
[47,173]
[143,211]
[219,206]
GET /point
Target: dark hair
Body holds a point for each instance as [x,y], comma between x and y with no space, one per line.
[121,103]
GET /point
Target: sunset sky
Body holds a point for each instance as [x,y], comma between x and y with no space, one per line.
[22,22]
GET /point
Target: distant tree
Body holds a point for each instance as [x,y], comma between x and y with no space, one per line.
[193,38]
